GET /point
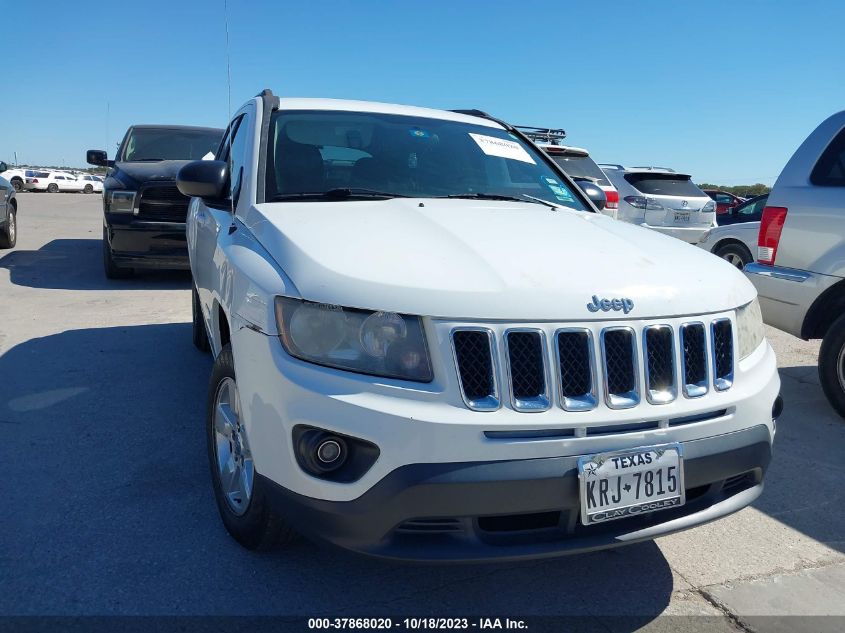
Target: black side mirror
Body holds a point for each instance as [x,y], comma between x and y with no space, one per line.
[207,179]
[98,157]
[594,193]
[3,167]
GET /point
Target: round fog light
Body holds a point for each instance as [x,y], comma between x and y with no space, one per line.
[329,451]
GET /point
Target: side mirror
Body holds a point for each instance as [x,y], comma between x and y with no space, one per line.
[207,179]
[594,193]
[3,167]
[98,157]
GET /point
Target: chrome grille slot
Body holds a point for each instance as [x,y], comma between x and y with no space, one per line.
[527,370]
[659,360]
[619,357]
[694,359]
[473,349]
[723,356]
[576,377]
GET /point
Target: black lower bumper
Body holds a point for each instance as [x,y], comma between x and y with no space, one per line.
[160,245]
[518,509]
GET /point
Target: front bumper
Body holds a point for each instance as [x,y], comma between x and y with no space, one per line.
[520,509]
[140,244]
[690,234]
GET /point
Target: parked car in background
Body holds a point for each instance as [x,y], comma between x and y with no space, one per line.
[800,268]
[15,176]
[90,183]
[143,211]
[662,199]
[428,345]
[724,201]
[575,162]
[8,215]
[53,182]
[735,237]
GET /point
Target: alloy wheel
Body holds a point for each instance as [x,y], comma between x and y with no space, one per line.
[235,469]
[734,260]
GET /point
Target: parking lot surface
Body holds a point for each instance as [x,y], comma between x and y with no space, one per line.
[108,507]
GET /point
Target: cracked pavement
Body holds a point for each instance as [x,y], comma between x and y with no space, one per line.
[109,508]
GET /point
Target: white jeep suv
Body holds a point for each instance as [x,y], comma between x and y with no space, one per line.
[429,345]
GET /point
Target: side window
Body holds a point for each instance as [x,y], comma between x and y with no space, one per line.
[830,168]
[721,198]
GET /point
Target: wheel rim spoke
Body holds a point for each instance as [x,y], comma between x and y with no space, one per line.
[235,468]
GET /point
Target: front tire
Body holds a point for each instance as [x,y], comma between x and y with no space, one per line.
[17,184]
[832,365]
[9,234]
[735,254]
[240,497]
[198,331]
[112,270]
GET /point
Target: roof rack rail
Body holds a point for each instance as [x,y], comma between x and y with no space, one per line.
[543,134]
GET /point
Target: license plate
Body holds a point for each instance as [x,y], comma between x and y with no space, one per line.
[627,483]
[681,216]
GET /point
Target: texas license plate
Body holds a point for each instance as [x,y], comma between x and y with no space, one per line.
[681,216]
[627,483]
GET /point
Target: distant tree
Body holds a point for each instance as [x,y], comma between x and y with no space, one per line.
[743,191]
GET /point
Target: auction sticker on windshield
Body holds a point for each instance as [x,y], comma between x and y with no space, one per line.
[629,483]
[501,147]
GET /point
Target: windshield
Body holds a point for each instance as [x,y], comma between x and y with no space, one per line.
[362,153]
[169,144]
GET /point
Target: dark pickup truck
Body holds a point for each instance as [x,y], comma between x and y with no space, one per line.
[143,211]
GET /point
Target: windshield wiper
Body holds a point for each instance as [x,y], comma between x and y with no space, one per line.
[495,196]
[340,193]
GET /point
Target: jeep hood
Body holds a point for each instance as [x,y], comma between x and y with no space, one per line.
[489,260]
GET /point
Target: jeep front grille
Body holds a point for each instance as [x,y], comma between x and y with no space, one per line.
[615,366]
[474,355]
[526,351]
[723,354]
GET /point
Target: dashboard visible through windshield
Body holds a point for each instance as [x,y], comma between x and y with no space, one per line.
[317,154]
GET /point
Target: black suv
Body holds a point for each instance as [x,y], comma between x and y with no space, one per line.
[143,211]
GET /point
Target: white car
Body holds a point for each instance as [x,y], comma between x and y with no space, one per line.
[90,183]
[735,239]
[661,199]
[14,175]
[53,182]
[429,345]
[576,162]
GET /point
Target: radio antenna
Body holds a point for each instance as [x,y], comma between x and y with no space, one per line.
[229,111]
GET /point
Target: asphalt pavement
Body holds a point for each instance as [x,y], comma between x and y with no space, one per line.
[109,511]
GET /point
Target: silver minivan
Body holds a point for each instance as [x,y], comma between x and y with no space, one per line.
[662,199]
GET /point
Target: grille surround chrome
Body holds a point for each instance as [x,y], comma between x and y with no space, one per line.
[698,389]
[492,402]
[655,396]
[588,401]
[628,399]
[722,383]
[584,362]
[541,402]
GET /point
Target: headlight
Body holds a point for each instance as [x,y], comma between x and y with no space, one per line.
[709,207]
[378,343]
[749,325]
[120,201]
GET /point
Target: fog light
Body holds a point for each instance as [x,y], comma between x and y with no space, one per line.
[329,451]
